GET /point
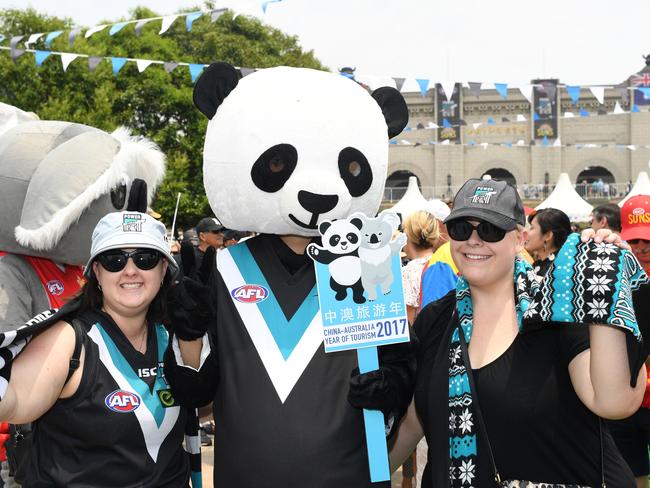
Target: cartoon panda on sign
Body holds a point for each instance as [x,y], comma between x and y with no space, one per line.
[286,149]
[341,240]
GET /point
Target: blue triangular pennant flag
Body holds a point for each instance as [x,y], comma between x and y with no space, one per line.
[50,37]
[491,121]
[584,113]
[545,141]
[267,3]
[446,124]
[535,116]
[574,93]
[635,109]
[190,18]
[117,63]
[502,89]
[508,144]
[645,90]
[424,86]
[41,56]
[471,143]
[2,37]
[393,142]
[115,28]
[407,129]
[195,70]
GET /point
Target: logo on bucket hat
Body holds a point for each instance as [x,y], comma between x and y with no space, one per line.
[132,222]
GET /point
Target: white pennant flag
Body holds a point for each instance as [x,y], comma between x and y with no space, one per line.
[568,115]
[484,145]
[405,142]
[166,23]
[432,125]
[142,64]
[527,91]
[521,118]
[618,109]
[557,143]
[599,93]
[446,142]
[520,142]
[632,147]
[32,39]
[476,125]
[448,87]
[94,30]
[67,58]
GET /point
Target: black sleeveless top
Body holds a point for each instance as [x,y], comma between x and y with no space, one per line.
[114,431]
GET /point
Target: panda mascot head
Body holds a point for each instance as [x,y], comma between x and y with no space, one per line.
[288,148]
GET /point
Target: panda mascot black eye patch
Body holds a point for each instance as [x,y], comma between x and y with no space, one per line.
[274,167]
[355,171]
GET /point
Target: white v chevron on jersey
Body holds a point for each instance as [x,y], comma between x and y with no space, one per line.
[283,373]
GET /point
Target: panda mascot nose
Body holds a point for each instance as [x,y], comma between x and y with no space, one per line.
[315,203]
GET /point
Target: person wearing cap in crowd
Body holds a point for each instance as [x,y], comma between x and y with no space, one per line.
[210,232]
[632,435]
[505,341]
[93,377]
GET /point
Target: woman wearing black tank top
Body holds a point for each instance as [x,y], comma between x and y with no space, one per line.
[509,389]
[109,420]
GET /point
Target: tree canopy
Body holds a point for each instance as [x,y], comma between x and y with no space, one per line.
[154,103]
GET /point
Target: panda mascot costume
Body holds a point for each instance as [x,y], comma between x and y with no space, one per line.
[285,150]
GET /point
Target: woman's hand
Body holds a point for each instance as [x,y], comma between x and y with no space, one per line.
[604,235]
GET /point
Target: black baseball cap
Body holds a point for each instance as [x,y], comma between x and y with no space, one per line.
[209,224]
[494,201]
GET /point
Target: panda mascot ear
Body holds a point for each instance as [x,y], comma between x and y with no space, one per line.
[322,228]
[356,222]
[213,86]
[394,108]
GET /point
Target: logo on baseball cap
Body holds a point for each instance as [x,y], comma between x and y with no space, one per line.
[635,218]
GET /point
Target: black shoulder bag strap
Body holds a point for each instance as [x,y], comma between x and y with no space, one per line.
[77,326]
[479,415]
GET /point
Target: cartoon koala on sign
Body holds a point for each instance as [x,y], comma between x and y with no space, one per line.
[376,251]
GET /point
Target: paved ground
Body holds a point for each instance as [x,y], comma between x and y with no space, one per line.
[207,455]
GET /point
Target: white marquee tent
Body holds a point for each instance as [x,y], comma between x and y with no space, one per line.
[641,187]
[565,198]
[412,201]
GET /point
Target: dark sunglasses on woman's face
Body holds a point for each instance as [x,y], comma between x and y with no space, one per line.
[115,260]
[461,230]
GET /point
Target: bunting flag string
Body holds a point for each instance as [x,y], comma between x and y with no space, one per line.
[117,63]
[519,144]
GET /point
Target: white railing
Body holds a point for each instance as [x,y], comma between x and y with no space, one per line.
[588,191]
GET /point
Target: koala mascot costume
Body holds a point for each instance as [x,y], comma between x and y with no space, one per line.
[285,149]
[57,179]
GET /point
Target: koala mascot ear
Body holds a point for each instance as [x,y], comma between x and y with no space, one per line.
[322,228]
[213,86]
[357,222]
[393,107]
[392,219]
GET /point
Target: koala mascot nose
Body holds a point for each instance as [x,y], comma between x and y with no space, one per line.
[315,203]
[373,239]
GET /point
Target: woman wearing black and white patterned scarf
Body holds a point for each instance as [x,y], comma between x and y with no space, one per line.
[513,374]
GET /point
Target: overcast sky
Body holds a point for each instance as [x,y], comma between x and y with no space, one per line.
[504,41]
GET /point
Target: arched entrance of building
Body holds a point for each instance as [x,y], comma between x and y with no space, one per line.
[501,174]
[595,182]
[396,184]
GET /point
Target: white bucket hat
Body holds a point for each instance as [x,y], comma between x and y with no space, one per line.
[120,230]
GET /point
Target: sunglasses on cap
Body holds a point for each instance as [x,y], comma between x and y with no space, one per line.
[461,230]
[115,260]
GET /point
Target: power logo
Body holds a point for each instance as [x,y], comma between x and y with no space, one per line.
[250,293]
[122,401]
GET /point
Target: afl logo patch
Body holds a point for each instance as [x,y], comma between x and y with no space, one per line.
[122,401]
[55,287]
[250,293]
[638,211]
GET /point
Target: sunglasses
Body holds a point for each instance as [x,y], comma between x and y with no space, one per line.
[636,242]
[461,230]
[116,259]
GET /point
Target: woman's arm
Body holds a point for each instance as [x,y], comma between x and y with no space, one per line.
[601,375]
[406,439]
[38,375]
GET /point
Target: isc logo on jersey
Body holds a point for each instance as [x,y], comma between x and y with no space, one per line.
[122,401]
[250,293]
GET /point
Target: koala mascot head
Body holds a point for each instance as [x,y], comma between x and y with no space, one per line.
[57,179]
[377,232]
[288,148]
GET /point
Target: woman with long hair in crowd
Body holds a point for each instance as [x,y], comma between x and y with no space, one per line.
[93,381]
[512,376]
[549,229]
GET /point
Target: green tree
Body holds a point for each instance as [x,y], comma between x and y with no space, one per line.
[154,103]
